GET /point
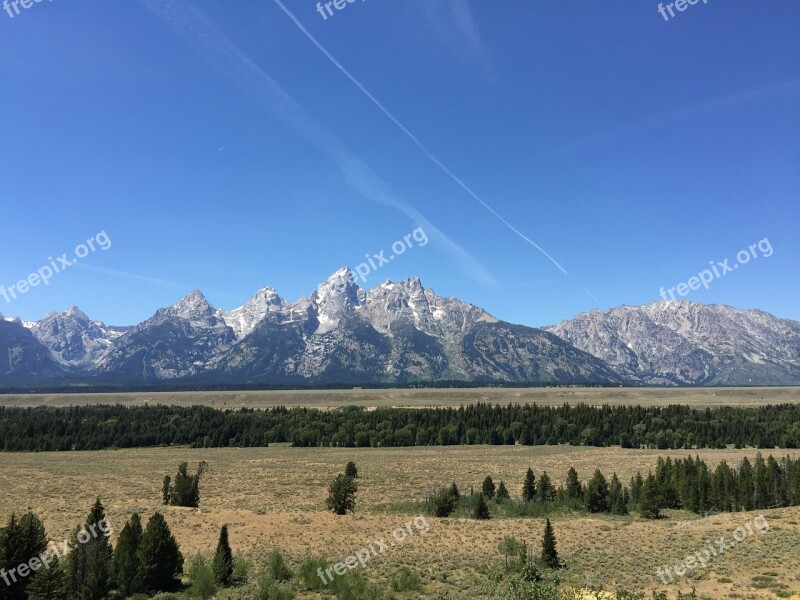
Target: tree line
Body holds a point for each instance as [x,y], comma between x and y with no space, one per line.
[146,560]
[670,427]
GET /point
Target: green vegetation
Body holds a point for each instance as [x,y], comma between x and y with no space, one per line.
[675,427]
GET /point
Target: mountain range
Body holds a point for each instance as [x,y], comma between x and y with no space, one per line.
[398,333]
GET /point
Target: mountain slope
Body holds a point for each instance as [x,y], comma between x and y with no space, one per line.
[681,342]
[22,356]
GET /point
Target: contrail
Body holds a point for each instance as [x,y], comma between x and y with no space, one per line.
[412,137]
[193,26]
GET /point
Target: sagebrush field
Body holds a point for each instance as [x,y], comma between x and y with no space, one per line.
[274,498]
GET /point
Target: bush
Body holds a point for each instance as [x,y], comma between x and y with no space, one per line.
[269,589]
[202,577]
[444,503]
[276,567]
[241,568]
[309,573]
[407,581]
[352,586]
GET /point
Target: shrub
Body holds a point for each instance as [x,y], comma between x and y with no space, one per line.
[407,581]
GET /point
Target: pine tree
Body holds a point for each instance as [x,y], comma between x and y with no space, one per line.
[529,487]
[342,495]
[618,504]
[636,487]
[454,491]
[502,492]
[351,470]
[648,500]
[547,492]
[125,565]
[481,510]
[20,540]
[488,488]
[596,496]
[160,558]
[90,560]
[444,502]
[166,489]
[223,559]
[573,488]
[49,583]
[549,552]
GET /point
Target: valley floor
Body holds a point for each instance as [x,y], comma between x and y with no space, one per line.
[273,498]
[415,398]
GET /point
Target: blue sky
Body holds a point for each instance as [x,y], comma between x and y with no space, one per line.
[220,148]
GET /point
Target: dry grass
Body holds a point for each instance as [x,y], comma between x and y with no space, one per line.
[327,399]
[273,497]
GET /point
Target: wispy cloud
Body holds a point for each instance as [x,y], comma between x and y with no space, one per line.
[689,113]
[191,25]
[414,138]
[453,22]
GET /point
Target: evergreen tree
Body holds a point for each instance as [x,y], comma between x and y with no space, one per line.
[49,583]
[185,489]
[90,560]
[636,487]
[481,510]
[596,497]
[20,540]
[223,559]
[166,489]
[529,487]
[618,504]
[454,491]
[547,492]
[648,500]
[573,487]
[444,503]
[549,552]
[125,564]
[502,492]
[342,495]
[488,488]
[351,470]
[160,559]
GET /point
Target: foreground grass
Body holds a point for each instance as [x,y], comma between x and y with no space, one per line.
[273,498]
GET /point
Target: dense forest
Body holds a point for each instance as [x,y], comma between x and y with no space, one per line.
[672,427]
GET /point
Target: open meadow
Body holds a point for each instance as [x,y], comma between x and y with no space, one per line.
[274,498]
[417,398]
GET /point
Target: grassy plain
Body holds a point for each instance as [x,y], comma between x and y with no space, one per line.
[416,398]
[273,498]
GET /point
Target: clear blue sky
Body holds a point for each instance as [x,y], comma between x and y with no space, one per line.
[221,149]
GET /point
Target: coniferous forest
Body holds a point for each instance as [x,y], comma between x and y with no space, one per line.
[671,427]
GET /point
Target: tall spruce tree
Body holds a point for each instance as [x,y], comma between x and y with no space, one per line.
[223,559]
[502,492]
[488,487]
[573,487]
[351,470]
[160,558]
[617,499]
[20,540]
[549,552]
[529,487]
[481,511]
[125,565]
[648,500]
[49,583]
[596,496]
[547,492]
[90,559]
[342,495]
